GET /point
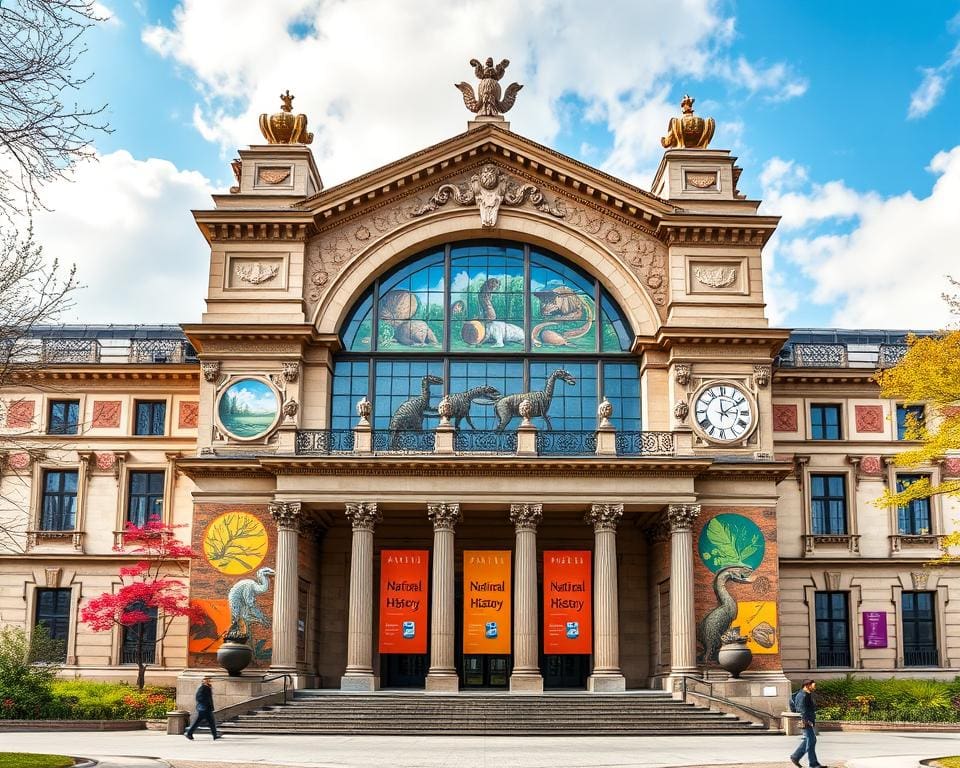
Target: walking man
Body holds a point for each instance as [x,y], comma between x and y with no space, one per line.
[806,705]
[205,714]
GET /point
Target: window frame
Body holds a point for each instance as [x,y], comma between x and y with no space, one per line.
[840,415]
[130,475]
[153,403]
[65,619]
[907,408]
[911,507]
[831,621]
[61,494]
[151,647]
[844,478]
[933,621]
[64,431]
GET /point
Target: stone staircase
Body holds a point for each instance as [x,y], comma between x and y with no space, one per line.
[487,714]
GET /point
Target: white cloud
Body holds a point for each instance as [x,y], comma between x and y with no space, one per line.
[888,268]
[372,95]
[778,80]
[106,15]
[126,224]
[934,84]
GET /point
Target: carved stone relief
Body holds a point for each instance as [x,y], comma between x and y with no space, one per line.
[256,273]
[715,277]
[273,175]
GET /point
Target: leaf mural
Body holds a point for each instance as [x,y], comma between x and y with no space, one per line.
[731,539]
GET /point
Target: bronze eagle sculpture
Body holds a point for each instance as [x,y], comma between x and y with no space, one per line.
[487,102]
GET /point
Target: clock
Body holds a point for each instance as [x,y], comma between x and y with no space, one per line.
[723,413]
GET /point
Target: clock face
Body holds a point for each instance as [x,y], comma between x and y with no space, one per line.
[723,413]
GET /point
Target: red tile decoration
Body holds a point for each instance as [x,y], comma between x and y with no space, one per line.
[869,418]
[871,466]
[189,411]
[18,461]
[105,461]
[784,417]
[951,467]
[106,413]
[20,414]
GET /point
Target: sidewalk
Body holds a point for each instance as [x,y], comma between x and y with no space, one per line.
[858,750]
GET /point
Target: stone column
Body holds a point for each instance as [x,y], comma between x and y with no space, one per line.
[359,673]
[607,675]
[286,515]
[443,672]
[683,635]
[526,677]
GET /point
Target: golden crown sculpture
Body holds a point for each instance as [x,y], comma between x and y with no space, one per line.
[688,131]
[284,127]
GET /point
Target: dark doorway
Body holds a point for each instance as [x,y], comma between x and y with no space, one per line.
[403,670]
[565,671]
[485,671]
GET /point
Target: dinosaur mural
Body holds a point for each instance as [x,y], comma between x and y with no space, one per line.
[244,611]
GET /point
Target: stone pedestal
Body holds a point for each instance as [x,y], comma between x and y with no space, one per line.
[444,438]
[442,676]
[359,674]
[607,675]
[683,638]
[526,440]
[526,677]
[606,441]
[362,438]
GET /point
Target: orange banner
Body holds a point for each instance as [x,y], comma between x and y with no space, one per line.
[486,602]
[567,607]
[403,600]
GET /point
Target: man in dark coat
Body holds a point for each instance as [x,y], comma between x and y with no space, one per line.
[205,714]
[806,705]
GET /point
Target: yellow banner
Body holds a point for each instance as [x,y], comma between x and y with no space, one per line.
[486,602]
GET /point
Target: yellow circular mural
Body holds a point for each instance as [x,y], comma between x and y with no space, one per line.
[235,543]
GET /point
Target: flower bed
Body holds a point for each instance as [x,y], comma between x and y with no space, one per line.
[896,700]
[86,700]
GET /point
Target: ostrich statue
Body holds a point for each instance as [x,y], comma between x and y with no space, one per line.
[242,599]
[714,624]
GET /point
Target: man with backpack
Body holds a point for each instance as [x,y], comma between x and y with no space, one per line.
[804,704]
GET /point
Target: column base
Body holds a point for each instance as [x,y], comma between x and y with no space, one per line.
[526,683]
[674,681]
[606,683]
[443,682]
[359,683]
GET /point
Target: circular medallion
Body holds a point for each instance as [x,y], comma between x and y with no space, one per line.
[235,543]
[731,540]
[249,408]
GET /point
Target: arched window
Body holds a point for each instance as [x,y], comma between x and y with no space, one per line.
[480,322]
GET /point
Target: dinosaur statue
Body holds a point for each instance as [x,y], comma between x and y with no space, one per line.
[714,624]
[461,401]
[242,599]
[411,413]
[509,407]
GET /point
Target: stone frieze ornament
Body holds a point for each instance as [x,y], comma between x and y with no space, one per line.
[761,375]
[488,190]
[286,514]
[526,517]
[284,127]
[363,516]
[604,517]
[291,372]
[681,410]
[682,373]
[257,273]
[487,102]
[210,370]
[681,516]
[715,277]
[444,516]
[689,131]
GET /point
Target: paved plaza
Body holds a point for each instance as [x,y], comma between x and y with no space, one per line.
[852,750]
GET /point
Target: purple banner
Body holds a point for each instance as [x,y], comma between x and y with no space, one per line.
[874,629]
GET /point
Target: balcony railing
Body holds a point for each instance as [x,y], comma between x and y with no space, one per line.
[404,441]
[645,444]
[485,441]
[833,657]
[324,441]
[921,656]
[581,443]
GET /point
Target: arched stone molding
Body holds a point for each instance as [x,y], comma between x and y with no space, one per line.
[454,225]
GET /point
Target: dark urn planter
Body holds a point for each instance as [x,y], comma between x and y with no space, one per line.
[234,656]
[734,656]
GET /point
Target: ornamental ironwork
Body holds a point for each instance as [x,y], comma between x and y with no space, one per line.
[568,443]
[644,443]
[324,441]
[820,355]
[70,351]
[892,354]
[156,351]
[404,441]
[485,441]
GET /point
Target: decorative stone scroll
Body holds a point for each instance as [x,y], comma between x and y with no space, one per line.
[526,517]
[604,517]
[681,516]
[444,516]
[286,514]
[681,410]
[488,190]
[363,516]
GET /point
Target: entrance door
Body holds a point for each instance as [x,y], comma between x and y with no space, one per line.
[403,670]
[566,671]
[486,671]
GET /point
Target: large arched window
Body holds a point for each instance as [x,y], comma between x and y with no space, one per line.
[480,322]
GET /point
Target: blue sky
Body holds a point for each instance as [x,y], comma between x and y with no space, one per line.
[844,117]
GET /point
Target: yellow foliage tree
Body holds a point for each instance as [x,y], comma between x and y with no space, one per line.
[929,374]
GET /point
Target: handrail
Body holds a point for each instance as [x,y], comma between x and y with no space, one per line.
[766,717]
[266,678]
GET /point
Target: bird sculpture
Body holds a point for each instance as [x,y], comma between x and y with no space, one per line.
[714,624]
[244,611]
[487,102]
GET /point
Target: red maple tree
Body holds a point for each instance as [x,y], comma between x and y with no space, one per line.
[148,593]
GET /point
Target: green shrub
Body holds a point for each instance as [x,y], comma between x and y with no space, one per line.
[906,700]
[88,700]
[28,666]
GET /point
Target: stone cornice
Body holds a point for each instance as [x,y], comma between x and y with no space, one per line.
[770,338]
[249,225]
[749,470]
[104,372]
[684,228]
[256,334]
[827,376]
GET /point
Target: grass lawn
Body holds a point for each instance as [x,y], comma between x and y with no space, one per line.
[26,760]
[949,762]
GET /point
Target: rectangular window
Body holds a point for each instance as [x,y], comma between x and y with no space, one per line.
[151,416]
[825,422]
[833,629]
[919,630]
[905,411]
[828,504]
[145,499]
[145,632]
[59,501]
[913,519]
[53,612]
[64,417]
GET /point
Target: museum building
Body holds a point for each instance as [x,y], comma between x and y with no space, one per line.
[484,417]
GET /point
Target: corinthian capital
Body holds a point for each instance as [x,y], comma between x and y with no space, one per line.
[444,516]
[526,517]
[604,517]
[681,516]
[363,516]
[286,514]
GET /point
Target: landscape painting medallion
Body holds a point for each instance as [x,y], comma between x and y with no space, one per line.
[248,409]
